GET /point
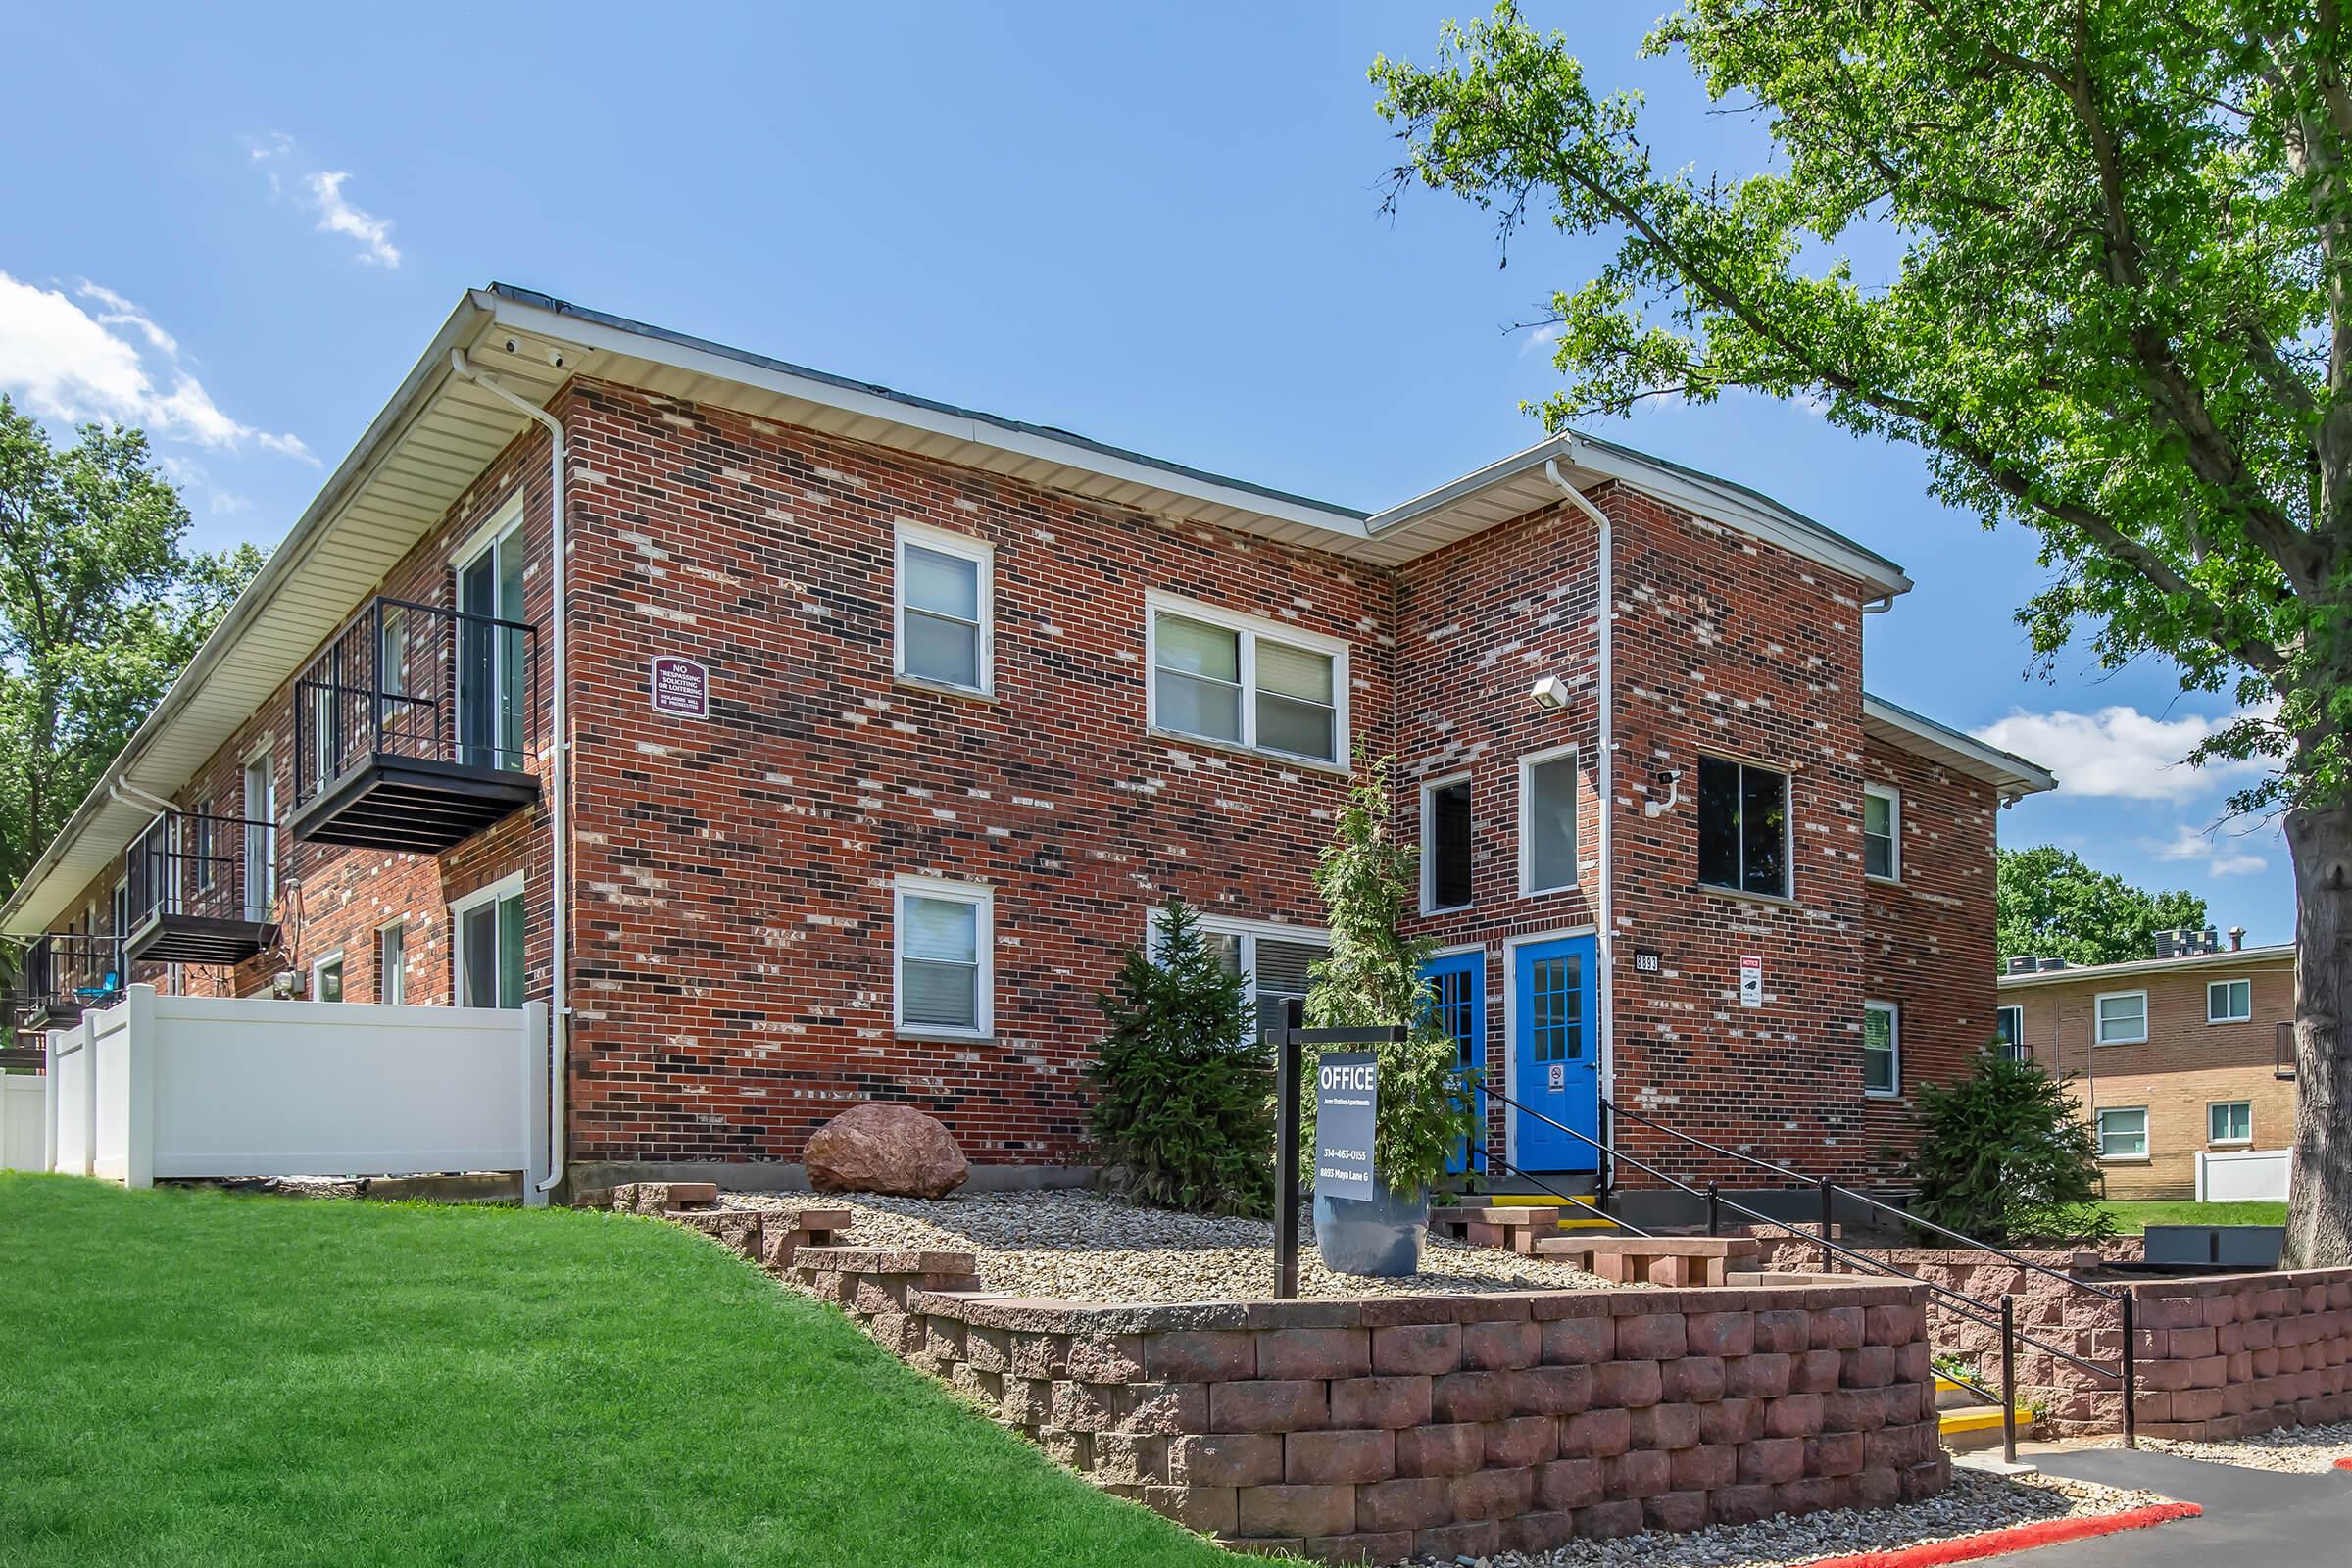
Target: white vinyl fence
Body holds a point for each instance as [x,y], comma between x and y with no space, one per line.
[2243,1175]
[23,1122]
[210,1086]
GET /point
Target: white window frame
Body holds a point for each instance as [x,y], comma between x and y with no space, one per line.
[251,813]
[1788,833]
[983,898]
[1894,1050]
[2226,986]
[1429,881]
[1526,800]
[321,964]
[2213,1106]
[1249,630]
[506,522]
[399,971]
[983,556]
[506,887]
[1895,831]
[1248,933]
[2098,1019]
[2016,1051]
[2147,1140]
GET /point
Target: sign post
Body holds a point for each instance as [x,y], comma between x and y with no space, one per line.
[1353,1095]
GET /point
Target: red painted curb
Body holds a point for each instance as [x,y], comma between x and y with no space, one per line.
[2016,1537]
[2343,1464]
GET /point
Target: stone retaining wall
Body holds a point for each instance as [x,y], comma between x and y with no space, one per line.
[1374,1430]
[2227,1372]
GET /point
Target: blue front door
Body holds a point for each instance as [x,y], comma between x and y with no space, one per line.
[1459,983]
[1555,1054]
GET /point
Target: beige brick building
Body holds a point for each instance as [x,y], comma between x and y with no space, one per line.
[2171,1057]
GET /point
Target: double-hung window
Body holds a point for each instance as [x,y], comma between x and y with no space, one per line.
[2123,1132]
[946,971]
[1445,841]
[1881,1049]
[1273,959]
[392,964]
[2230,1002]
[1882,833]
[2230,1121]
[1744,829]
[945,621]
[1225,677]
[326,978]
[2122,1017]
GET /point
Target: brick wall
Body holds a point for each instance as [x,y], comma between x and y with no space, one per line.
[1928,935]
[2185,1065]
[734,917]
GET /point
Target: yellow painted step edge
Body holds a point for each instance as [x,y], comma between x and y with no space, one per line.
[1587,1224]
[1977,1420]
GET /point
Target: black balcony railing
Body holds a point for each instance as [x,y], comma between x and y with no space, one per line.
[415,727]
[419,683]
[201,889]
[64,972]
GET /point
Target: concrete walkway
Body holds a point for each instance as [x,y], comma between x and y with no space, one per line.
[2253,1518]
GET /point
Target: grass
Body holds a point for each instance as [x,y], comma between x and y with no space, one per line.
[2132,1217]
[189,1378]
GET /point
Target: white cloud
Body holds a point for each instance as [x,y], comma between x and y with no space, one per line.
[2117,753]
[1540,340]
[69,365]
[337,216]
[2220,858]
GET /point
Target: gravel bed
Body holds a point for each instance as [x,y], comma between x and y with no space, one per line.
[2307,1449]
[1977,1501]
[1071,1244]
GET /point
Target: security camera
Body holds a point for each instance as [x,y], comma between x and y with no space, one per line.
[1550,692]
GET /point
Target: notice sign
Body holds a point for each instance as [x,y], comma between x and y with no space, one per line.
[1751,981]
[679,687]
[1346,1099]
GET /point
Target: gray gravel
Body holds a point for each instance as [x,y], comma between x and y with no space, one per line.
[1976,1503]
[2304,1449]
[1071,1244]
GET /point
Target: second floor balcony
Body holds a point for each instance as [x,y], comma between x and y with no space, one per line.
[416,728]
[200,889]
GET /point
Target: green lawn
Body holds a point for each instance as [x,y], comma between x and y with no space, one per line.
[2133,1217]
[189,1378]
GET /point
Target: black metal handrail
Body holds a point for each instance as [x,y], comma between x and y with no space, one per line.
[1967,1306]
[61,970]
[418,681]
[1840,1189]
[200,864]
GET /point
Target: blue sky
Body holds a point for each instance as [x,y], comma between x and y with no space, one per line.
[1157,225]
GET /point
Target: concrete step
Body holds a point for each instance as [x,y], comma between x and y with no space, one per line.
[1952,1396]
[1975,1425]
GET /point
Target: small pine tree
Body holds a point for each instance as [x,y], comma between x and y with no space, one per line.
[1372,978]
[2004,1155]
[1180,1080]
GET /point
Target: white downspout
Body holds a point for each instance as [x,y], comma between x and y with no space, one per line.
[1604,621]
[559,1021]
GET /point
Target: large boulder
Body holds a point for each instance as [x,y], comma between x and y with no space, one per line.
[885,1149]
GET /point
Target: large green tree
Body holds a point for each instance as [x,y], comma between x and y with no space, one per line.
[2052,905]
[2115,305]
[101,604]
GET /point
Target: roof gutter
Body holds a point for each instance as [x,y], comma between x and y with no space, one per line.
[309,531]
[559,1016]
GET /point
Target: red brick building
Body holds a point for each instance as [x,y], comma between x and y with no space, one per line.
[889,723]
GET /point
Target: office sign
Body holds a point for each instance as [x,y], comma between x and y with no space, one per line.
[679,687]
[1346,1103]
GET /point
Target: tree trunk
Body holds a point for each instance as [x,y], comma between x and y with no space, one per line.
[2318,1210]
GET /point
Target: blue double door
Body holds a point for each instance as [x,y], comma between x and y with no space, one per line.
[1555,1045]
